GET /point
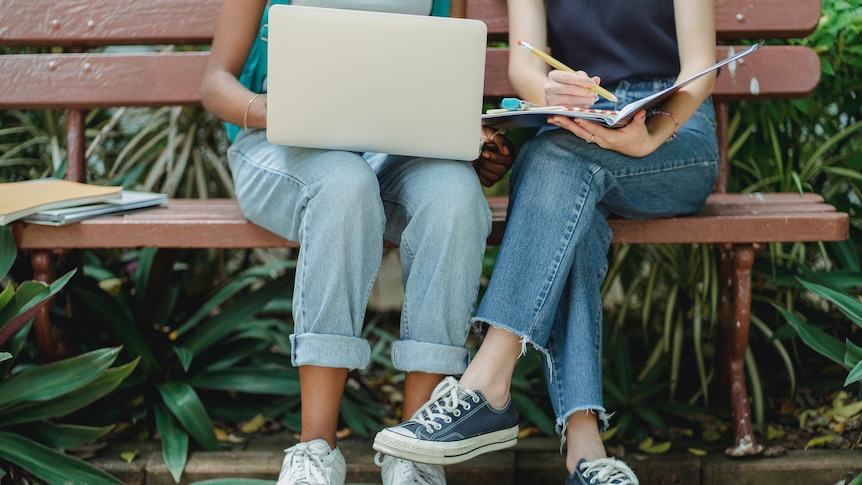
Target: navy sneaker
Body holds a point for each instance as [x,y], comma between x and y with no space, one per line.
[455,425]
[604,471]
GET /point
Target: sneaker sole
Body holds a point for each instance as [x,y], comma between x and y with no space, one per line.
[443,453]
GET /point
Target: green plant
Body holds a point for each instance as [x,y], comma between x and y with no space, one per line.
[30,144]
[36,400]
[670,293]
[170,150]
[821,338]
[635,402]
[17,306]
[196,345]
[811,144]
[532,407]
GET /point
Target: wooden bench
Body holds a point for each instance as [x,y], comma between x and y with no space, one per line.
[77,80]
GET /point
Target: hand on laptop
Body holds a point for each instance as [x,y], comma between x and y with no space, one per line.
[496,158]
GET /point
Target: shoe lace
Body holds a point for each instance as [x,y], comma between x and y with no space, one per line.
[608,470]
[304,466]
[408,471]
[448,398]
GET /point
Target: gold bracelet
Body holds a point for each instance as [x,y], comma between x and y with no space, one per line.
[247,108]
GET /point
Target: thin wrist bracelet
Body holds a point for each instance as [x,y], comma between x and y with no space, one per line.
[671,116]
[247,108]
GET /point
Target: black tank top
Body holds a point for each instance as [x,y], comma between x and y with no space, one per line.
[614,39]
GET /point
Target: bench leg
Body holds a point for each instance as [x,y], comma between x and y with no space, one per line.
[50,341]
[735,329]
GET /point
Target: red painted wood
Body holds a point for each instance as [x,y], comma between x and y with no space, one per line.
[107,22]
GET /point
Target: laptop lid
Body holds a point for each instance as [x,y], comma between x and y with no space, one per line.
[375,82]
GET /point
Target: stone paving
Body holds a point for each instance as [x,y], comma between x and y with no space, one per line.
[534,461]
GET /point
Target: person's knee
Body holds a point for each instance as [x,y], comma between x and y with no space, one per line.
[465,211]
[351,187]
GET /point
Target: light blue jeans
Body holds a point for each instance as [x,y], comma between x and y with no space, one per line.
[553,259]
[339,209]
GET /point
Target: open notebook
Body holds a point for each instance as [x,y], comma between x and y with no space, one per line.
[375,82]
[524,115]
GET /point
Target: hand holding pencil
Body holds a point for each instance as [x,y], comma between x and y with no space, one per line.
[562,67]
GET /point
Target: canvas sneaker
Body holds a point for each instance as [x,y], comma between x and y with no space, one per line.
[395,471]
[312,463]
[604,471]
[456,424]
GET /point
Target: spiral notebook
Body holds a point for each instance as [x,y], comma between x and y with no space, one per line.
[375,82]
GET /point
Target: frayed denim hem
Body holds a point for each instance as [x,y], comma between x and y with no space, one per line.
[563,423]
[476,323]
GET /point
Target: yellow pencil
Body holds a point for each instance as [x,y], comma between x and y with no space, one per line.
[562,67]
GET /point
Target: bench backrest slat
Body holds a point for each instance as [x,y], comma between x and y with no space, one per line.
[734,19]
[108,80]
[83,81]
[116,22]
[773,72]
[107,22]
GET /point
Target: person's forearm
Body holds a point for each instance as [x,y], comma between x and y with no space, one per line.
[527,73]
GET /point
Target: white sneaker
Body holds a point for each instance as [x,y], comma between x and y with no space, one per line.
[396,471]
[604,471]
[312,463]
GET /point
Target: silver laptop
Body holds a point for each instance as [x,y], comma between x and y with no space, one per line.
[375,82]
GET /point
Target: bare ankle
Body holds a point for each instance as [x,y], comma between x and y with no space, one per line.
[497,393]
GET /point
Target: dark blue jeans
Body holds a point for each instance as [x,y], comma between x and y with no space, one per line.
[553,259]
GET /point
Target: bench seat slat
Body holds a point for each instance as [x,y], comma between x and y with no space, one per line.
[726,218]
[734,229]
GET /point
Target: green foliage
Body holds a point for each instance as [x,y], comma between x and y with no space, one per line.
[30,144]
[171,150]
[820,335]
[670,294]
[196,343]
[811,144]
[36,400]
[533,407]
[641,404]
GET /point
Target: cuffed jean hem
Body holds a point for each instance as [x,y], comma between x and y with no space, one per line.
[329,351]
[410,355]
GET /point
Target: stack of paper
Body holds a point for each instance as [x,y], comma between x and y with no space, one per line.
[56,202]
[130,201]
[20,199]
